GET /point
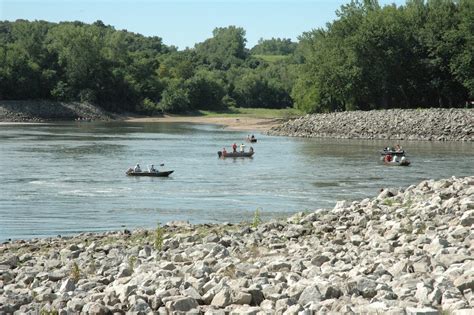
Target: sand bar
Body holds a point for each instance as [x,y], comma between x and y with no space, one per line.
[233,123]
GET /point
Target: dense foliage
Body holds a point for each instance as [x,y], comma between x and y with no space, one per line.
[120,70]
[420,54]
[417,55]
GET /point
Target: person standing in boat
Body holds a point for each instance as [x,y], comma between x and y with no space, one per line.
[152,169]
[242,148]
[224,152]
[234,147]
[137,168]
[251,150]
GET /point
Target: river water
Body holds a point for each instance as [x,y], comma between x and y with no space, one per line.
[65,178]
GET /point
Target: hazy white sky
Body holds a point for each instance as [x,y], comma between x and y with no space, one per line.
[185,22]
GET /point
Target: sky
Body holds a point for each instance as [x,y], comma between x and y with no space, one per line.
[183,23]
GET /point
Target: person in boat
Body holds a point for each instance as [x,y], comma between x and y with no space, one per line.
[403,159]
[395,158]
[388,158]
[251,150]
[398,148]
[234,147]
[248,137]
[224,152]
[152,169]
[137,168]
[242,148]
[252,137]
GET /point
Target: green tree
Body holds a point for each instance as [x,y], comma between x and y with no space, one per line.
[225,48]
[274,46]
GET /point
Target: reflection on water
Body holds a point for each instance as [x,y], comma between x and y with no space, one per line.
[69,178]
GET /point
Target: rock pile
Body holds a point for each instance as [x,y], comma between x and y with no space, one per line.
[403,252]
[37,111]
[408,124]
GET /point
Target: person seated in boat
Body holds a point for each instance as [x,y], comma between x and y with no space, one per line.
[152,169]
[137,168]
[252,137]
[395,158]
[388,158]
[398,148]
[242,148]
[224,152]
[403,159]
[234,147]
[251,150]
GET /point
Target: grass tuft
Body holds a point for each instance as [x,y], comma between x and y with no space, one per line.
[159,237]
[257,220]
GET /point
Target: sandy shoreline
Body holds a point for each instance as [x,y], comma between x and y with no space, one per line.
[233,123]
[241,123]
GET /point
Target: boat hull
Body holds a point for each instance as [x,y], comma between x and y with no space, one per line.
[404,163]
[150,174]
[235,154]
[398,153]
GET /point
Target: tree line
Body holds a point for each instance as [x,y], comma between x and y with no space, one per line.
[417,55]
[420,54]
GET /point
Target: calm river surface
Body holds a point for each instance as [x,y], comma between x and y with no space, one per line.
[68,178]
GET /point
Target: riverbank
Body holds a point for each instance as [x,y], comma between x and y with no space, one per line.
[41,111]
[395,124]
[232,123]
[252,120]
[405,251]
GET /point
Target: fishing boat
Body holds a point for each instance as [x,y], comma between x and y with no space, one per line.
[396,163]
[392,152]
[251,139]
[394,156]
[131,172]
[235,154]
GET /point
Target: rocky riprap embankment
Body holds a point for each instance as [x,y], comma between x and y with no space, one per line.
[396,124]
[403,252]
[37,111]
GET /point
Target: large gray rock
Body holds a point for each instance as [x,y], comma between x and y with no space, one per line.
[467,219]
[222,298]
[421,311]
[67,285]
[182,304]
[465,281]
[310,294]
[95,308]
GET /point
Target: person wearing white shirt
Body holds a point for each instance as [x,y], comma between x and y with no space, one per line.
[137,168]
